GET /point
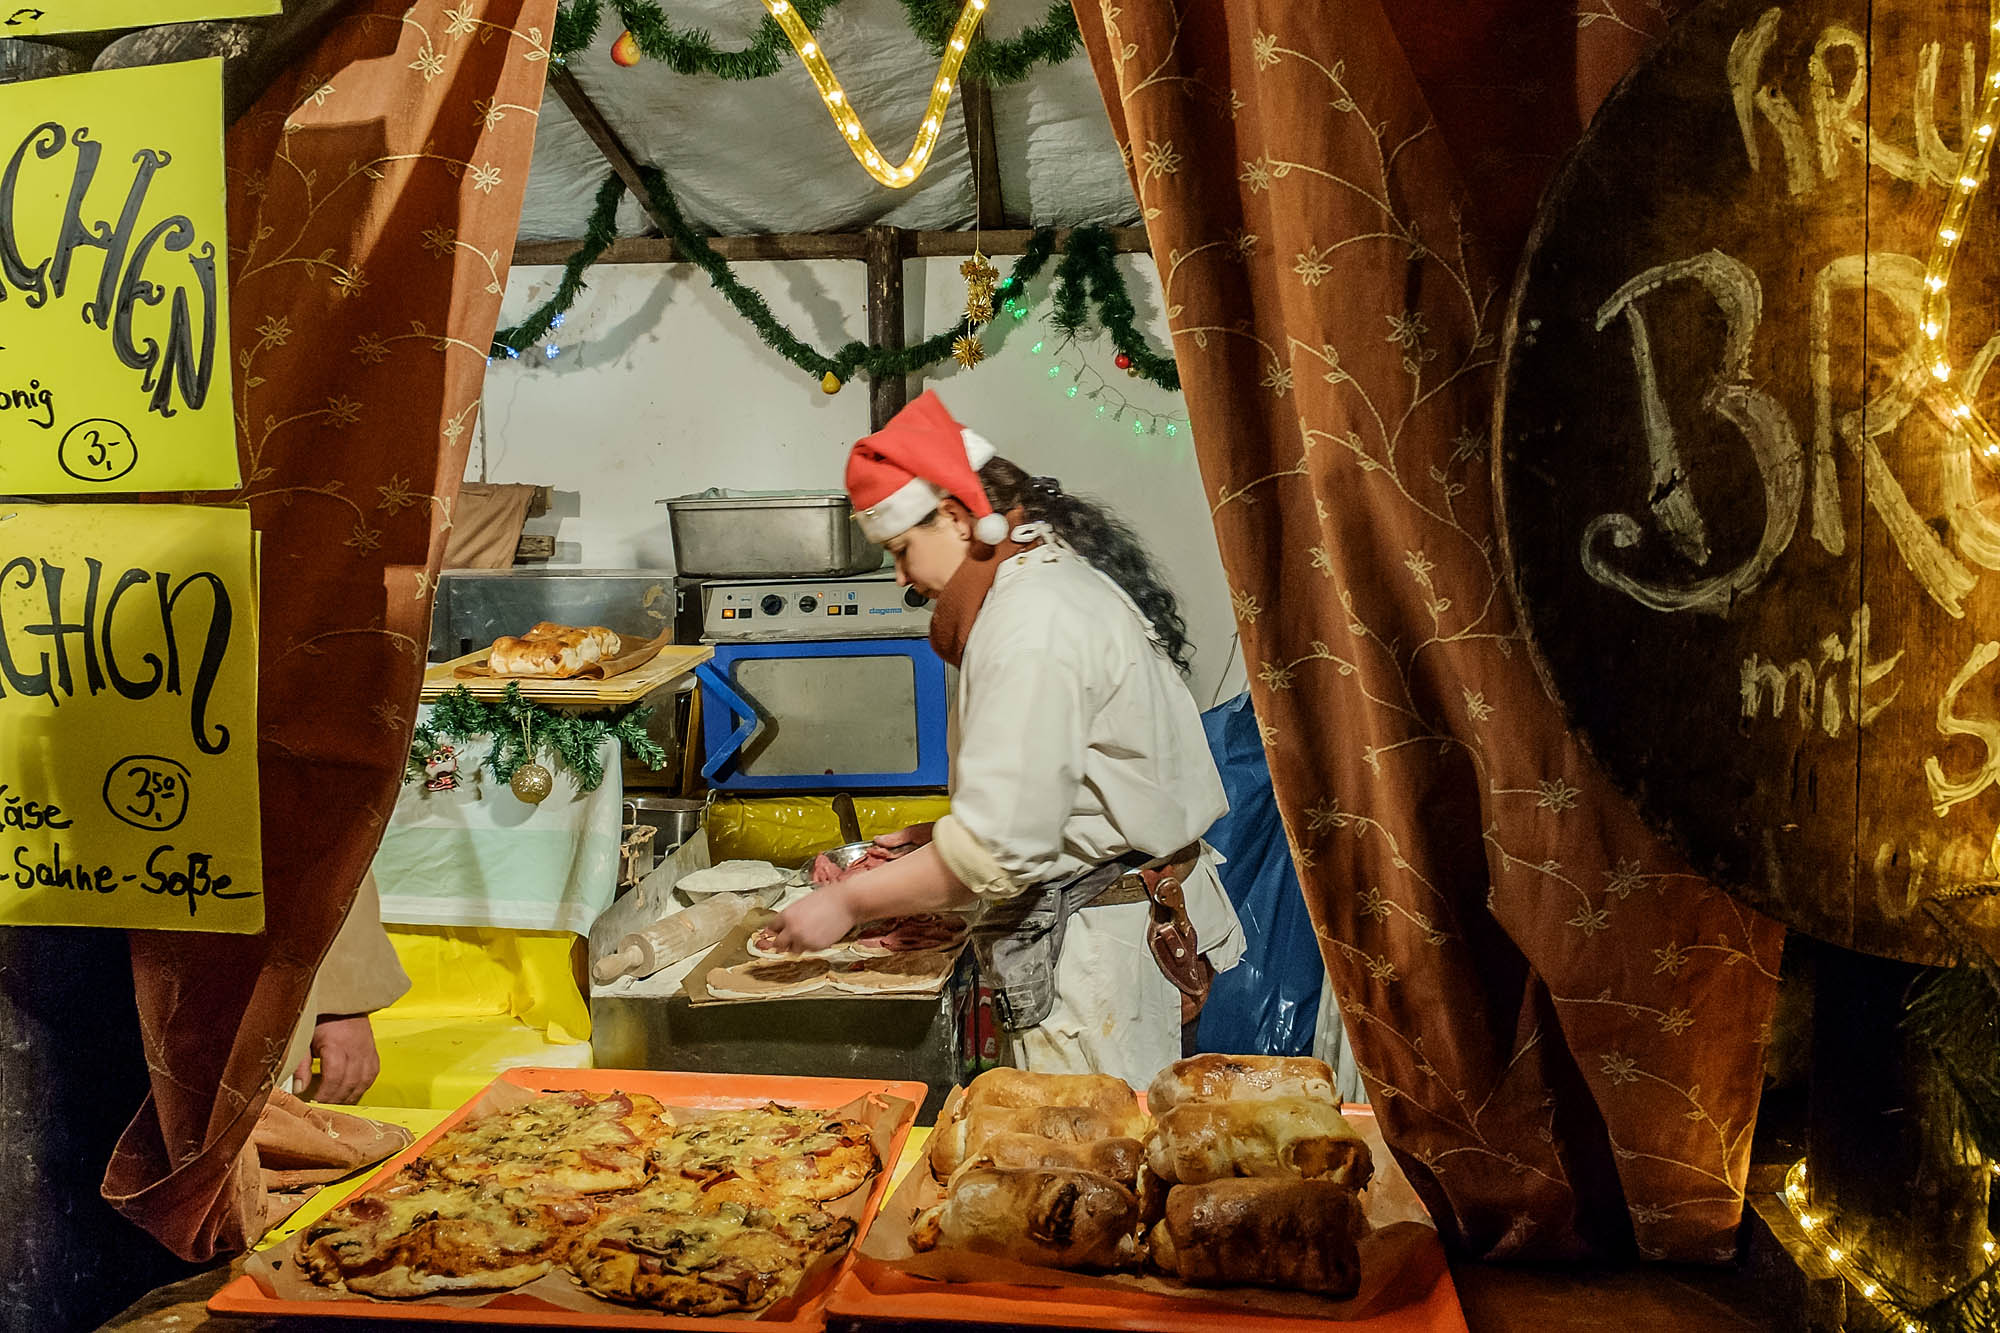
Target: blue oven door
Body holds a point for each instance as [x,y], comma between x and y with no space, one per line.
[824,716]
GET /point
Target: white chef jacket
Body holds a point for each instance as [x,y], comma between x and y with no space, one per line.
[1076,741]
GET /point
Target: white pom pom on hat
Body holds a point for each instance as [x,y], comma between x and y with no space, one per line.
[896,476]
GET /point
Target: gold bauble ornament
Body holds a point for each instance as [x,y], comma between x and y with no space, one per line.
[532,783]
[968,351]
[830,383]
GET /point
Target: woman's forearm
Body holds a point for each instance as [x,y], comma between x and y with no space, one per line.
[918,882]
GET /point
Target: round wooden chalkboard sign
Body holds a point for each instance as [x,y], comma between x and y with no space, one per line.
[1758,565]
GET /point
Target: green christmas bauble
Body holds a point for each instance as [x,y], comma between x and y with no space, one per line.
[532,783]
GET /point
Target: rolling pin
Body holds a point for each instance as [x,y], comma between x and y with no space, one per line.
[670,939]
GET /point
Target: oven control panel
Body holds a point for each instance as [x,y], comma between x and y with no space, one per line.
[805,609]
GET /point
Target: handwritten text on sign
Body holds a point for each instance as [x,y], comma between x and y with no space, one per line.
[1755,559]
[128,709]
[114,320]
[27,19]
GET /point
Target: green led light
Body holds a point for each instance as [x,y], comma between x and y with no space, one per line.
[1173,429]
[1036,348]
[1071,391]
[1138,427]
[1101,409]
[1054,371]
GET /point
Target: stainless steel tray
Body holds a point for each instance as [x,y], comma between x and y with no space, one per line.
[750,535]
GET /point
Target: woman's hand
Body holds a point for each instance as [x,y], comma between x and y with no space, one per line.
[906,839]
[817,921]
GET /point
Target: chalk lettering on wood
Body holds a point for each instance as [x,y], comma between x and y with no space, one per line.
[1755,561]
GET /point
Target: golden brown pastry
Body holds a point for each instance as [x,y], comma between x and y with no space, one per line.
[1019,1088]
[534,657]
[1119,1159]
[1274,1136]
[1217,1078]
[1270,1232]
[598,642]
[954,1143]
[1058,1219]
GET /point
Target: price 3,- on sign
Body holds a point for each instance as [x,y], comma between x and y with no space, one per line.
[114,318]
[128,718]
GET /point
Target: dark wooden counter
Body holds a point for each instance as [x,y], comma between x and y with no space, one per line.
[1652,1299]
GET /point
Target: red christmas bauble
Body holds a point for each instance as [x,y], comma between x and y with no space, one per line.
[1122,361]
[625,51]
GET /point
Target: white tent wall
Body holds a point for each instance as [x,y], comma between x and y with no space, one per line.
[661,389]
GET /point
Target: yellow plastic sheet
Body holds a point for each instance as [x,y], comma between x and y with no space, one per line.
[481,1001]
[444,1062]
[466,971]
[791,830]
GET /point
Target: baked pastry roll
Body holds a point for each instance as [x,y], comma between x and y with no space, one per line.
[1275,1136]
[1058,1219]
[1271,1232]
[1215,1078]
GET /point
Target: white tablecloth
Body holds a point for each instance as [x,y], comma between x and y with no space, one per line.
[479,856]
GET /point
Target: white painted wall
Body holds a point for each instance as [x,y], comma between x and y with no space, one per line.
[660,389]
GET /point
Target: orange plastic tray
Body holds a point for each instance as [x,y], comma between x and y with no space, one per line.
[869,1289]
[242,1296]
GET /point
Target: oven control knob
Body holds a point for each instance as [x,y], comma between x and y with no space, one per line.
[915,600]
[772,604]
[808,604]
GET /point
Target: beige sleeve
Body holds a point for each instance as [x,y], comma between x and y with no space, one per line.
[360,973]
[969,859]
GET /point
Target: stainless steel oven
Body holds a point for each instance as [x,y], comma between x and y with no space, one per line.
[819,684]
[475,607]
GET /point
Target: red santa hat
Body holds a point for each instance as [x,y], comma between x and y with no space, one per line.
[896,476]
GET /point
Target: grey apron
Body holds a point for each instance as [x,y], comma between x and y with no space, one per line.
[1016,942]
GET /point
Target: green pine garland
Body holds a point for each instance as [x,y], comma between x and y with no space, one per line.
[573,738]
[1008,60]
[692,51]
[1087,272]
[598,233]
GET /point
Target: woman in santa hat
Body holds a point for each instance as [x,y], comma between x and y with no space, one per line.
[1081,779]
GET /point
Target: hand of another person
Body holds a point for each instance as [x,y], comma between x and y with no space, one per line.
[348,1061]
[817,921]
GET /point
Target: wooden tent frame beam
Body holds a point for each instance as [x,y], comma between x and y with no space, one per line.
[883,249]
[818,245]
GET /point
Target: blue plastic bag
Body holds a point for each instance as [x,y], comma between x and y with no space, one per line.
[1268,1004]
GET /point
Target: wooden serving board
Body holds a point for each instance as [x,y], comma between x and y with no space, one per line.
[671,663]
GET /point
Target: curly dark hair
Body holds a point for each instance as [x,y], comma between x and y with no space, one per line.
[1102,538]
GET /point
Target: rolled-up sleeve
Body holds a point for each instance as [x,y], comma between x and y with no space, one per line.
[1024,727]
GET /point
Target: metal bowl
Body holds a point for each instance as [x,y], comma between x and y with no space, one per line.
[850,855]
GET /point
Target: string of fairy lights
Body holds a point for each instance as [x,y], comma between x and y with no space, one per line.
[1953,397]
[838,106]
[1903,1313]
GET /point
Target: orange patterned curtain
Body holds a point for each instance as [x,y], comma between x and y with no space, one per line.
[373,201]
[1562,1028]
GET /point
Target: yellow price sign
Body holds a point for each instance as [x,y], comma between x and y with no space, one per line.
[43,16]
[114,310]
[128,718]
